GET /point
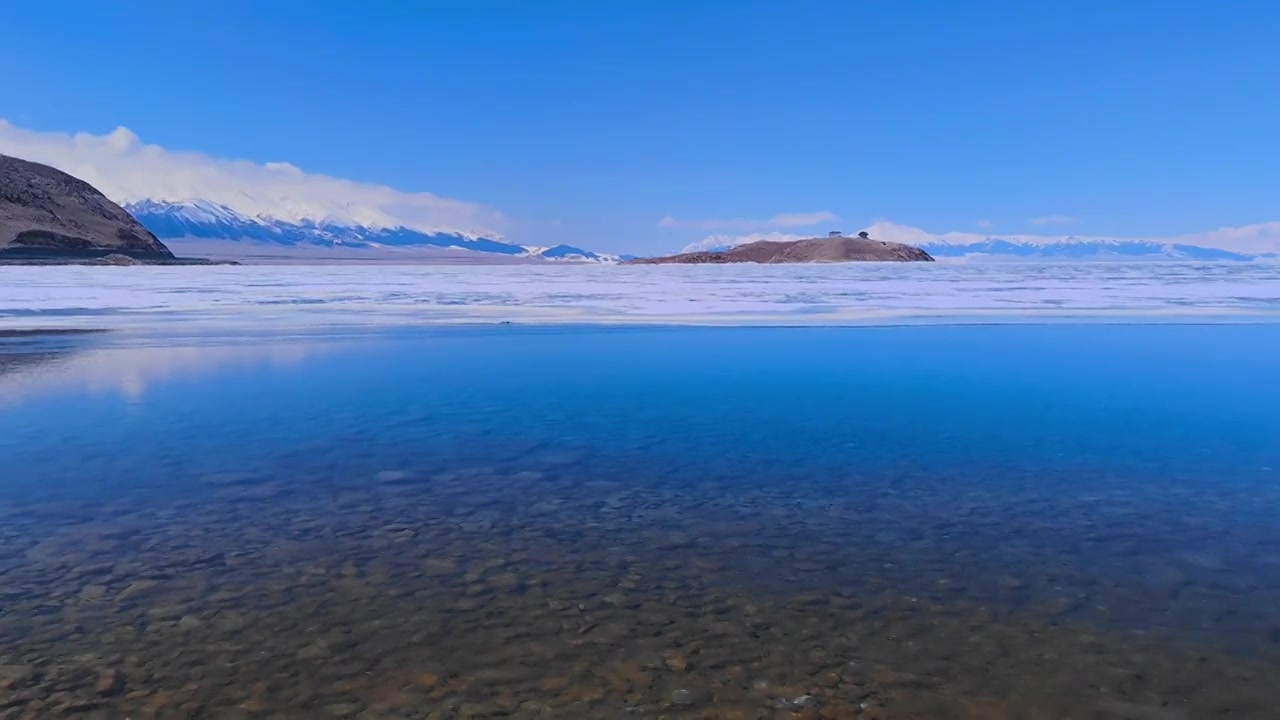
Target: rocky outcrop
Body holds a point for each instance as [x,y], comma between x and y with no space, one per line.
[814,250]
[46,213]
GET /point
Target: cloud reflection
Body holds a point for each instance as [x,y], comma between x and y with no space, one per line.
[127,371]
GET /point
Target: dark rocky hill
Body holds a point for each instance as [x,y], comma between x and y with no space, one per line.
[46,213]
[813,250]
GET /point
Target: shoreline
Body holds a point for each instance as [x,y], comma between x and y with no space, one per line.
[180,327]
[102,261]
[200,334]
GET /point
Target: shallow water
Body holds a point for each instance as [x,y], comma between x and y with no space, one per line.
[1009,521]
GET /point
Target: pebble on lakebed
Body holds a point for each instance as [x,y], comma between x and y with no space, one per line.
[443,594]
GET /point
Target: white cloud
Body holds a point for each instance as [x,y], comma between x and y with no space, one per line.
[1051,220]
[1256,239]
[983,223]
[795,219]
[127,170]
[798,219]
[712,243]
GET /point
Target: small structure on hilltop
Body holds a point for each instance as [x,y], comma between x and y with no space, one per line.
[834,233]
[864,235]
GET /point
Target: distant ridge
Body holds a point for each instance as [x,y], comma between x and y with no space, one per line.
[1221,244]
[1087,250]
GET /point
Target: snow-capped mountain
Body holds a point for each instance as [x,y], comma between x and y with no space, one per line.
[1083,250]
[569,252]
[204,220]
[1061,247]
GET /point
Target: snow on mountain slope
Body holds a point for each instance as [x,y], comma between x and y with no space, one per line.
[206,220]
[569,252]
[958,244]
[1088,250]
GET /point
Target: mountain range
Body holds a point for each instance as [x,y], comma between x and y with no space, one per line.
[208,221]
[1083,249]
[1200,246]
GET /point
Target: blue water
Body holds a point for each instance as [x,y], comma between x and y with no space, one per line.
[1119,479]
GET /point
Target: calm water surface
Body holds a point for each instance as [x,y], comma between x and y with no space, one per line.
[986,522]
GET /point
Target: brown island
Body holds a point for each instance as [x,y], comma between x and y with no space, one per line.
[835,248]
[48,217]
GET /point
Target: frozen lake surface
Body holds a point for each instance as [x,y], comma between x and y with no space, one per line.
[851,294]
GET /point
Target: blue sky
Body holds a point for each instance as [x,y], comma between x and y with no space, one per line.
[591,122]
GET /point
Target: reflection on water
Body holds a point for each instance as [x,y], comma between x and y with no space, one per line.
[973,523]
[24,350]
[49,365]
